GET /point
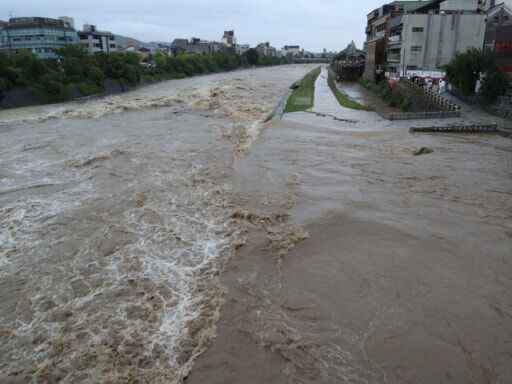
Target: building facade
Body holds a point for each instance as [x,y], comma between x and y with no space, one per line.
[265,49]
[97,41]
[498,36]
[422,42]
[293,50]
[229,38]
[37,34]
[377,31]
[195,45]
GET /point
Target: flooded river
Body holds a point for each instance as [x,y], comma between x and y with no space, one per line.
[167,234]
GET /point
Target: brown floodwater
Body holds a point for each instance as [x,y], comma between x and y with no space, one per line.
[167,234]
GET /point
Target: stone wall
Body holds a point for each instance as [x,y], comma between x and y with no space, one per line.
[502,106]
[21,98]
[14,99]
[420,103]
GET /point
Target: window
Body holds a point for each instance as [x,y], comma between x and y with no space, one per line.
[416,48]
[417,29]
[412,67]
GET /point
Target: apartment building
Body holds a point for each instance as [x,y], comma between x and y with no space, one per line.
[293,50]
[265,49]
[422,42]
[38,34]
[498,36]
[377,32]
[95,40]
[196,45]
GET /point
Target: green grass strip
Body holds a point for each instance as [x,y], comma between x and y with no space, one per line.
[87,88]
[342,98]
[305,90]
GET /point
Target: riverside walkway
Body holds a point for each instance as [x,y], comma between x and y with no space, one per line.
[327,112]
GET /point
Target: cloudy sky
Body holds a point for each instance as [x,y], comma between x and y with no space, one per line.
[313,24]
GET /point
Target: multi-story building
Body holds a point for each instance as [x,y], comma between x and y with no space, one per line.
[97,41]
[241,49]
[265,49]
[422,42]
[229,38]
[229,41]
[37,34]
[498,35]
[485,5]
[377,32]
[195,45]
[293,50]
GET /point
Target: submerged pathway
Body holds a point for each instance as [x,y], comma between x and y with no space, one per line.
[327,112]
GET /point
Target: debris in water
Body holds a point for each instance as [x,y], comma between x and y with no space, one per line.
[423,151]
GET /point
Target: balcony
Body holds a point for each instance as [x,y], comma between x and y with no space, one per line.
[397,39]
[393,57]
[368,29]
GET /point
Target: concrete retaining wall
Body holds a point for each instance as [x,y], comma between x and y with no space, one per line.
[502,106]
[22,98]
[423,115]
[14,99]
[458,128]
[74,93]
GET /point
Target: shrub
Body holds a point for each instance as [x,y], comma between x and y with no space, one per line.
[493,86]
[3,88]
[52,83]
[465,68]
[89,88]
[95,74]
[406,104]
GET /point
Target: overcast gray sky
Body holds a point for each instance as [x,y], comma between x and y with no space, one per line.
[313,24]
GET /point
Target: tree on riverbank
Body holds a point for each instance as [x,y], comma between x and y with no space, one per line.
[465,68]
[50,79]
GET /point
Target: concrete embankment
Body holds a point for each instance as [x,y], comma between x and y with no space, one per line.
[22,98]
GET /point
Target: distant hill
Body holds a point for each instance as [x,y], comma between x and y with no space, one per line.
[123,41]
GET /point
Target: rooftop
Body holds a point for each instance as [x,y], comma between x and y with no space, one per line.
[36,22]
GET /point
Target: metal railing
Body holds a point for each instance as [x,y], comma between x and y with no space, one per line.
[458,128]
[393,57]
[423,115]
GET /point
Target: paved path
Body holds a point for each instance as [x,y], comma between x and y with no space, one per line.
[327,112]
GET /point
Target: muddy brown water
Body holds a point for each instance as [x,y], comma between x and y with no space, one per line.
[165,235]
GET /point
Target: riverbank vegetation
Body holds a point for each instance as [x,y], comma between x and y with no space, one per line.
[464,71]
[303,95]
[342,98]
[385,92]
[50,79]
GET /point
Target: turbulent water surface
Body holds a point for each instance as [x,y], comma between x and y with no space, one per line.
[113,226]
[135,228]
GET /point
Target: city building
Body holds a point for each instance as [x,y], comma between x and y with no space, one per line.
[241,49]
[265,49]
[229,38]
[377,31]
[353,55]
[293,50]
[498,35]
[195,45]
[229,42]
[422,42]
[97,41]
[142,51]
[37,34]
[485,5]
